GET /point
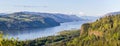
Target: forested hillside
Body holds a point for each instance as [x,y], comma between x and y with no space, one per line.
[23,21]
[103,32]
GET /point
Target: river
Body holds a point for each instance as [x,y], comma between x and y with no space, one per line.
[44,32]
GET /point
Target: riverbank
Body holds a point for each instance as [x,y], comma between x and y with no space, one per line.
[62,37]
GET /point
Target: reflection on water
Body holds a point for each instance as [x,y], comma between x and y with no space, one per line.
[36,33]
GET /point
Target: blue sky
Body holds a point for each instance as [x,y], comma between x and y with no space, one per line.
[79,7]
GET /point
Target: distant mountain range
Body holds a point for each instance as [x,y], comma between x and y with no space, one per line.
[113,13]
[56,16]
[2,14]
[28,20]
[91,18]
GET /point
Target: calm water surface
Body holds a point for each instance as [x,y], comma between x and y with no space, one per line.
[37,33]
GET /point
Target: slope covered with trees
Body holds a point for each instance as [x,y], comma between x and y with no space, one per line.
[23,21]
[103,32]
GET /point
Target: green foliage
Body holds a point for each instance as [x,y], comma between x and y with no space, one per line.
[11,42]
[103,32]
[60,39]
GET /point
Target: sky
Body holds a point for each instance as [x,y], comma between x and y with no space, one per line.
[78,7]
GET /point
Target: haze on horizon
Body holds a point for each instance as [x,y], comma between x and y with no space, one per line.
[79,7]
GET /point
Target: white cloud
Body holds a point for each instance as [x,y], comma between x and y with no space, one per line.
[81,13]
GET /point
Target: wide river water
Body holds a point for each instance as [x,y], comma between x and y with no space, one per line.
[37,33]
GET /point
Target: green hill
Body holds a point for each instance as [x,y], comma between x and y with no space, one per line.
[103,32]
[23,21]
